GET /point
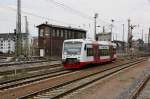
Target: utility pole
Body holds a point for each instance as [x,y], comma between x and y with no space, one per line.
[112,36]
[128,48]
[129,33]
[26,25]
[123,33]
[142,35]
[123,38]
[18,31]
[27,37]
[149,41]
[130,36]
[95,17]
[145,45]
[142,40]
[103,29]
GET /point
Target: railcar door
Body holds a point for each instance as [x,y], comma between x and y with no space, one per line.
[111,52]
[96,53]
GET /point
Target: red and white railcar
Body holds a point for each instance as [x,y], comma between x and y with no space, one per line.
[77,53]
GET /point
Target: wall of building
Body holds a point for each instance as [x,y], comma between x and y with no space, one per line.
[104,36]
[51,38]
[8,44]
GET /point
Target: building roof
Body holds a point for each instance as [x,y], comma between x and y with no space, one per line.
[63,27]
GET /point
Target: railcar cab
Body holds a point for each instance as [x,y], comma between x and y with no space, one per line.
[72,50]
[74,53]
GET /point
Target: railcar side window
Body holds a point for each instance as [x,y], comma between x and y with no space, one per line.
[104,50]
[85,47]
[90,52]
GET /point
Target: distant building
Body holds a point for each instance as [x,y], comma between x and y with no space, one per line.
[8,42]
[51,38]
[104,36]
[138,44]
[34,46]
[121,46]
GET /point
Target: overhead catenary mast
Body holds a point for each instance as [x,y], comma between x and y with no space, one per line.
[18,31]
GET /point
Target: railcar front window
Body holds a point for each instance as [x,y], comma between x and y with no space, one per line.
[72,48]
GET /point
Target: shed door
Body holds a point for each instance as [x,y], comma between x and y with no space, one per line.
[42,52]
[96,53]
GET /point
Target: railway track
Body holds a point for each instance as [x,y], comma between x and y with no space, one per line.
[19,63]
[18,69]
[73,85]
[55,71]
[34,72]
[139,89]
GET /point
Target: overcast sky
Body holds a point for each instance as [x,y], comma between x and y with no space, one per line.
[78,13]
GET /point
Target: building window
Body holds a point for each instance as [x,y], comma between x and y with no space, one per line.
[57,33]
[62,33]
[65,34]
[47,31]
[41,32]
[69,34]
[83,35]
[80,35]
[73,35]
[53,32]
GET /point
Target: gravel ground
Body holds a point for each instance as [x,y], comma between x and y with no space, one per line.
[145,94]
[116,87]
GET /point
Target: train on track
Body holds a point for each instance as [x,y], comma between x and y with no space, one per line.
[77,53]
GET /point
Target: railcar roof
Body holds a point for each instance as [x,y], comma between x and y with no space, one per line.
[91,41]
[79,40]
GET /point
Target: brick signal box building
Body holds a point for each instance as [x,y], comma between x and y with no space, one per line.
[51,38]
